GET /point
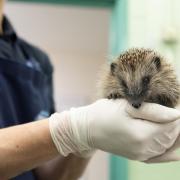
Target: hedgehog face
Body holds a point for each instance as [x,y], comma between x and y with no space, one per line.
[135,77]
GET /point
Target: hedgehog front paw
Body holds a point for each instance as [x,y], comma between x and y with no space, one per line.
[114,96]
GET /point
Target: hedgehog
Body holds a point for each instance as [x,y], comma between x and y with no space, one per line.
[140,75]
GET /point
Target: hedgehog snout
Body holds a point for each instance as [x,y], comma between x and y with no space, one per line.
[136,105]
[135,101]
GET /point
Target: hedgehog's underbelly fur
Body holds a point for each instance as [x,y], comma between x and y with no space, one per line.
[166,99]
[159,99]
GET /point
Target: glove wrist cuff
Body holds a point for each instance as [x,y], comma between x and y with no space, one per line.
[64,130]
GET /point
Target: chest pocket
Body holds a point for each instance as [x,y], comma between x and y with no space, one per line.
[22,93]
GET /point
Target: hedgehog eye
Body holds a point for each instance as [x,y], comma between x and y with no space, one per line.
[146,80]
[113,68]
[123,83]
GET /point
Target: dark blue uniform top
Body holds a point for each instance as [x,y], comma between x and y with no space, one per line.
[26,92]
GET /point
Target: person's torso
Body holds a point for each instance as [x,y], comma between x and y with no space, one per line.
[25,91]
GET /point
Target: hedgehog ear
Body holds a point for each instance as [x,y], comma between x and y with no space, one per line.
[113,68]
[157,62]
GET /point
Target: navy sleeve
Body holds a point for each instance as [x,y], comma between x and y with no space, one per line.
[46,66]
[48,70]
[50,86]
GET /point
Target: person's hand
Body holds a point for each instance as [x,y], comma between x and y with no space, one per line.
[114,126]
[170,154]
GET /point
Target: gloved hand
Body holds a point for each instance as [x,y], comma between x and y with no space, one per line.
[170,154]
[109,125]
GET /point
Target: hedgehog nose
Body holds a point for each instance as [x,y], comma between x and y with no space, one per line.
[136,105]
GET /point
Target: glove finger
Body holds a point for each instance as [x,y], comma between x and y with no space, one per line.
[166,157]
[156,148]
[170,135]
[154,112]
[159,146]
[170,154]
[176,145]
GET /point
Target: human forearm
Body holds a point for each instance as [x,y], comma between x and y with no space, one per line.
[62,168]
[25,147]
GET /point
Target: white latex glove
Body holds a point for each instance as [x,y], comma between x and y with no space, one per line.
[170,154]
[108,125]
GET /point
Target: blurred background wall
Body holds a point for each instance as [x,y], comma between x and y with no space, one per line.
[155,24]
[80,39]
